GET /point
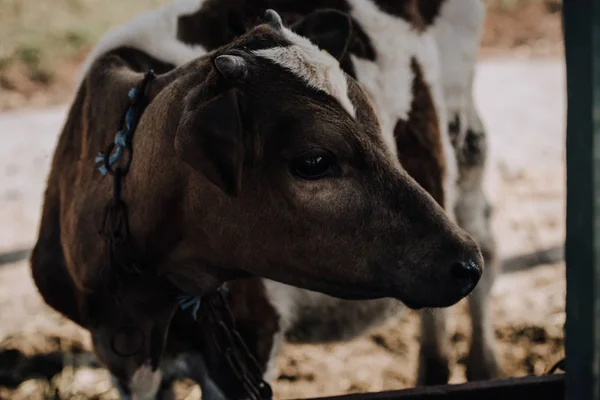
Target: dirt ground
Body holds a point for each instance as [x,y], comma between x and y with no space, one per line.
[521,97]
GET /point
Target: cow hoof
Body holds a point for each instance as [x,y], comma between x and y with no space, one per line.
[482,366]
[433,372]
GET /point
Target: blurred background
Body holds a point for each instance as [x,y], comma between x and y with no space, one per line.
[520,93]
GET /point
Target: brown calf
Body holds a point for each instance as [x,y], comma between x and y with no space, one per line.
[262,158]
[416,61]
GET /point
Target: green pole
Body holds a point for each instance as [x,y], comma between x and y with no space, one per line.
[581,22]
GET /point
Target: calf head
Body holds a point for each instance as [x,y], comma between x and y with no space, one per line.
[288,177]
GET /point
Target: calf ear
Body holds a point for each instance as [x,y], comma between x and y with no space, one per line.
[209,138]
[330,30]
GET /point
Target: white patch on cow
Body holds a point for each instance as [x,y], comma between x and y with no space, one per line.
[282,298]
[315,67]
[270,372]
[457,31]
[153,32]
[389,79]
[327,318]
[144,383]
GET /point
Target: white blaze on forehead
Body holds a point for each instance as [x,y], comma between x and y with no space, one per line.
[316,68]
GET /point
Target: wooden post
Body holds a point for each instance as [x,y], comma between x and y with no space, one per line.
[581,22]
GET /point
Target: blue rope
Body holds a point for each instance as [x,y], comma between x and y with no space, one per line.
[188,301]
[123,137]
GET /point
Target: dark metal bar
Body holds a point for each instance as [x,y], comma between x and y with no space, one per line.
[14,256]
[581,22]
[549,387]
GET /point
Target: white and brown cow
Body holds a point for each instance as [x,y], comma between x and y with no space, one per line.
[415,59]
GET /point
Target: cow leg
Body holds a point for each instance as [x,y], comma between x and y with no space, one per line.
[198,372]
[458,31]
[433,351]
[482,361]
[166,391]
[473,213]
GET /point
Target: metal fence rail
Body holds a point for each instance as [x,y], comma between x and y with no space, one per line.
[549,387]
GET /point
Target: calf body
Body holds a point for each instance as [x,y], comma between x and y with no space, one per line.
[242,156]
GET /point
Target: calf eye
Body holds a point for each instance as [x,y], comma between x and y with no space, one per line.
[315,164]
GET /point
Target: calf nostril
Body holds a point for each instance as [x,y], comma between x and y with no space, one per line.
[466,274]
